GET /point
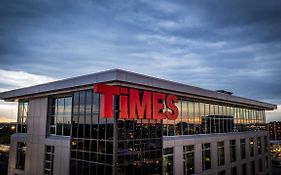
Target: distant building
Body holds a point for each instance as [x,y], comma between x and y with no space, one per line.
[132,124]
[274,129]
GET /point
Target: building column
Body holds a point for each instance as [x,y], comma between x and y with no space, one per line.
[198,159]
[214,155]
[178,160]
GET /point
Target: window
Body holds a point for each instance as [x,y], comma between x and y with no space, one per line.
[188,156]
[49,160]
[206,156]
[244,169]
[22,116]
[232,148]
[243,148]
[266,163]
[60,115]
[259,145]
[260,165]
[265,144]
[220,147]
[252,147]
[21,151]
[168,161]
[233,171]
[92,138]
[253,167]
[221,173]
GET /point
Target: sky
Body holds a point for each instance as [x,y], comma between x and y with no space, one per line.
[230,45]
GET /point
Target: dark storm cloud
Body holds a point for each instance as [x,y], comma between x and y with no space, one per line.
[232,45]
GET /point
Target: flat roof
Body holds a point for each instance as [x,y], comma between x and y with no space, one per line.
[118,75]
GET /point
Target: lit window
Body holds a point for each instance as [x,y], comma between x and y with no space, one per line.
[252,147]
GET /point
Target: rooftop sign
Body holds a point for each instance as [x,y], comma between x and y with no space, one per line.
[136,105]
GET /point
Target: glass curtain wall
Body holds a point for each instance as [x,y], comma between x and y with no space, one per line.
[92,136]
[138,142]
[139,145]
[205,118]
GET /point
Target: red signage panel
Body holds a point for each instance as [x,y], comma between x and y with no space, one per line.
[133,105]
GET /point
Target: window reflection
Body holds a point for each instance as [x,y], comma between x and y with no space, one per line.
[60,115]
[188,157]
[22,116]
[168,162]
[206,156]
[92,137]
[206,118]
[220,147]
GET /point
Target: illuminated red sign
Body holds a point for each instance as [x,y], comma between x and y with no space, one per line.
[132,105]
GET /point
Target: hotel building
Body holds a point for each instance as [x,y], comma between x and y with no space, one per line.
[274,129]
[119,122]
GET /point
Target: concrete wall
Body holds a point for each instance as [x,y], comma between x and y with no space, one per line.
[177,142]
[36,140]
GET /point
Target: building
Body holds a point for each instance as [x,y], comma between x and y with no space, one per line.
[274,129]
[119,122]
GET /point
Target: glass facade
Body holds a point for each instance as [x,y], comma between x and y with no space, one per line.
[49,160]
[188,159]
[134,146]
[60,115]
[92,136]
[21,152]
[22,116]
[204,118]
[137,148]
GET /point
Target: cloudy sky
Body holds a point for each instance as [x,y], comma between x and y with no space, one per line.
[231,45]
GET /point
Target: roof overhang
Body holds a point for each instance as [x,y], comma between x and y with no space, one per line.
[122,77]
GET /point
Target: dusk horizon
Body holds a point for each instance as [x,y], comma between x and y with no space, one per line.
[232,46]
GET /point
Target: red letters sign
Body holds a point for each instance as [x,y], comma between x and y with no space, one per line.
[132,105]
